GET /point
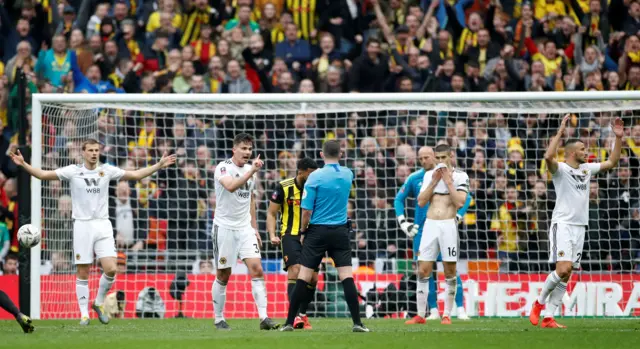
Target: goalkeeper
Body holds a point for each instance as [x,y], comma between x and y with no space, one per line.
[411,188]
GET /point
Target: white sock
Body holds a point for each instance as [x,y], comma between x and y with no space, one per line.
[219,291]
[82,292]
[422,292]
[104,286]
[461,310]
[450,296]
[260,296]
[549,285]
[556,299]
[434,311]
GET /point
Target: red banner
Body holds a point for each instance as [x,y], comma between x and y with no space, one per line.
[506,295]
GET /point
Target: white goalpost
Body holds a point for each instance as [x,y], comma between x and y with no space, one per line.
[163,223]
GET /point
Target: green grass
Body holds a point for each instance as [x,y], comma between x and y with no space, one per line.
[326,333]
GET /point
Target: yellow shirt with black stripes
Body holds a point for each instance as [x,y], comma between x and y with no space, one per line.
[288,194]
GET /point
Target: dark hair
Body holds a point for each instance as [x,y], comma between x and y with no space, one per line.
[11,256]
[307,164]
[331,149]
[89,141]
[242,138]
[442,148]
[372,40]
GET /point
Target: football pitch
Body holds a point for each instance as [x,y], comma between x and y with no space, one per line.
[326,334]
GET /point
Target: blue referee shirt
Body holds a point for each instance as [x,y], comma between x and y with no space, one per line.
[326,193]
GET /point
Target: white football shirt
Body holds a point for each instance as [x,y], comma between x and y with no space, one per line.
[233,209]
[460,182]
[572,193]
[90,189]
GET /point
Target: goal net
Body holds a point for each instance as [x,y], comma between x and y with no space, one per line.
[163,223]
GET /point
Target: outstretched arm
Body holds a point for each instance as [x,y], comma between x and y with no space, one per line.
[166,161]
[612,161]
[36,172]
[550,154]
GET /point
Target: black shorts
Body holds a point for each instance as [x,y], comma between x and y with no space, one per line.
[330,239]
[291,251]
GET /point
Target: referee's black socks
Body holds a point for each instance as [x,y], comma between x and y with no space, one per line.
[351,296]
[8,305]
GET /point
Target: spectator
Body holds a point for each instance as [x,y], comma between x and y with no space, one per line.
[23,57]
[11,37]
[295,52]
[54,64]
[93,27]
[235,82]
[198,12]
[10,265]
[65,27]
[369,71]
[244,22]
[165,8]
[155,56]
[511,224]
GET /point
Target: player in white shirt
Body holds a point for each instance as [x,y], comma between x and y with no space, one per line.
[235,229]
[570,216]
[445,189]
[92,229]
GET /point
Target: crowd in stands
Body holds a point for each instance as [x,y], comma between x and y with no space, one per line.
[328,46]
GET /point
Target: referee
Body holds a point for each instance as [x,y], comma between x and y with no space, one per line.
[286,199]
[324,214]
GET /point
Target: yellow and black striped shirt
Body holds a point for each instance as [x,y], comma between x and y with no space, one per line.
[304,15]
[288,194]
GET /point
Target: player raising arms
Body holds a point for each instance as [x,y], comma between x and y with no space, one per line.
[92,229]
[286,199]
[235,229]
[570,215]
[411,188]
[445,190]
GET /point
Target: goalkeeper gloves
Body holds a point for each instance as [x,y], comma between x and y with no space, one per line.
[407,227]
[458,219]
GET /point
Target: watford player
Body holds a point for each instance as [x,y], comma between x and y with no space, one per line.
[285,200]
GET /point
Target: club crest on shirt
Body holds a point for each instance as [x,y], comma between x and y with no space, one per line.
[101,173]
[223,260]
[585,172]
[274,196]
[304,194]
[78,256]
[223,170]
[561,254]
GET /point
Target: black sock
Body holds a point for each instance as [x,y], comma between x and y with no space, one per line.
[7,304]
[311,290]
[291,284]
[297,297]
[351,296]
